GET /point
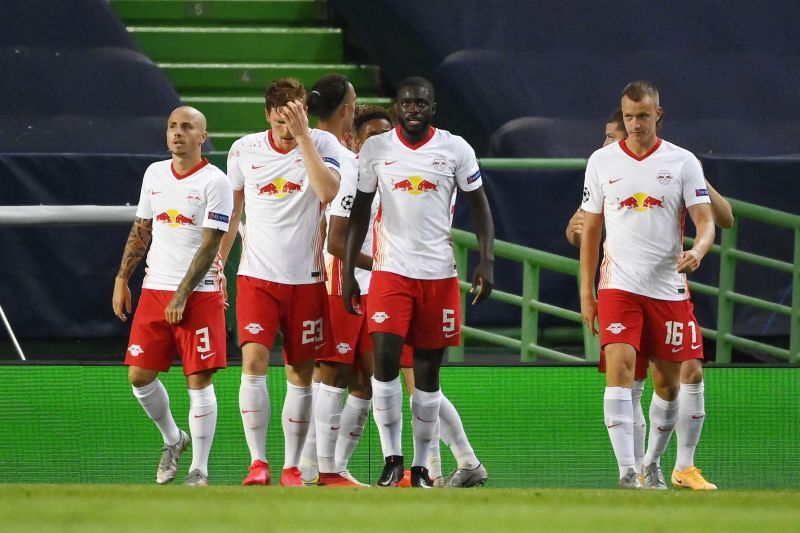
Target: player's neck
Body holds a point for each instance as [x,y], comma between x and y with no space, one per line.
[640,147]
[417,137]
[334,127]
[183,164]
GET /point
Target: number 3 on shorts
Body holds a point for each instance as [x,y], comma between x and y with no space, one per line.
[203,344]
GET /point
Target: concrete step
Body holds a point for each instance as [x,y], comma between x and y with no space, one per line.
[252,78]
[237,114]
[211,12]
[239,44]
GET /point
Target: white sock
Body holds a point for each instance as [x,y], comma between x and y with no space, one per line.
[618,411]
[154,400]
[202,424]
[663,415]
[296,418]
[424,416]
[434,463]
[387,408]
[454,436]
[691,414]
[328,414]
[639,424]
[308,459]
[354,418]
[255,409]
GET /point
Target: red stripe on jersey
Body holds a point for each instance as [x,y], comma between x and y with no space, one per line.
[377,239]
[605,270]
[428,137]
[627,150]
[275,146]
[203,162]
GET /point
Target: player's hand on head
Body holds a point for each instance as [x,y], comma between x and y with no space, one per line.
[174,310]
[121,299]
[688,261]
[482,283]
[294,113]
[589,313]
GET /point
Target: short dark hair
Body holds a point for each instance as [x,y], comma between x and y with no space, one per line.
[327,95]
[616,119]
[639,89]
[282,91]
[418,81]
[365,113]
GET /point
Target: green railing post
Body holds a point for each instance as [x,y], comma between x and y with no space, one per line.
[794,323]
[456,353]
[727,279]
[530,316]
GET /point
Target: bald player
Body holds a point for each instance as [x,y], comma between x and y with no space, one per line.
[184,210]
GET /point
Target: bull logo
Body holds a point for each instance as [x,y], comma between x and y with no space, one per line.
[640,202]
[279,188]
[415,185]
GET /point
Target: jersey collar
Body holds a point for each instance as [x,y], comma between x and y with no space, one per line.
[203,162]
[275,146]
[428,137]
[627,150]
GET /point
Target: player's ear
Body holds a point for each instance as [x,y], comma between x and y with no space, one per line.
[433,109]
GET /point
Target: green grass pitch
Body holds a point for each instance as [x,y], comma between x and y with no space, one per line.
[119,508]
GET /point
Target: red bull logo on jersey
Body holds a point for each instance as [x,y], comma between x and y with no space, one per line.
[641,201]
[174,218]
[415,185]
[279,187]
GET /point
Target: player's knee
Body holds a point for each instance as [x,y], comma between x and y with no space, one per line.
[692,372]
[667,391]
[140,377]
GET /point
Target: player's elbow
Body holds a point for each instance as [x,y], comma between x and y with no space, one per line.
[725,221]
[336,248]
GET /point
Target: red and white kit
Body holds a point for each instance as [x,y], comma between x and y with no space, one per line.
[414,291]
[642,299]
[282,242]
[180,206]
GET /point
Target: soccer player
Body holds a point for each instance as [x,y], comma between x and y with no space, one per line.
[414,295]
[282,178]
[640,187]
[691,370]
[184,210]
[332,100]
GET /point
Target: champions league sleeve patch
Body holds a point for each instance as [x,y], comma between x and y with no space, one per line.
[219,217]
[332,161]
[475,177]
[701,192]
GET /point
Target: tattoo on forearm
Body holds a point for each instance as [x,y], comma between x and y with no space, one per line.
[201,262]
[138,241]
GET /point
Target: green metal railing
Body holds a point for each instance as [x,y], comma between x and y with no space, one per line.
[535,260]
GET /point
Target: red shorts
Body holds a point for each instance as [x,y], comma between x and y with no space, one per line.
[427,313]
[348,331]
[407,357]
[262,307]
[661,329]
[199,339]
[639,373]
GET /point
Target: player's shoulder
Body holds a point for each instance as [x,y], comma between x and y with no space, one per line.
[674,150]
[251,141]
[608,151]
[322,136]
[451,140]
[158,169]
[376,142]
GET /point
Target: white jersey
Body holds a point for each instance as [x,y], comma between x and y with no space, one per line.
[283,238]
[644,202]
[340,207]
[417,185]
[180,207]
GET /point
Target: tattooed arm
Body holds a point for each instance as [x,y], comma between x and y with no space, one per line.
[135,248]
[201,262]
